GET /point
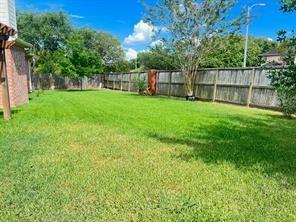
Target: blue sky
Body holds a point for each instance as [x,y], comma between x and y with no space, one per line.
[119,17]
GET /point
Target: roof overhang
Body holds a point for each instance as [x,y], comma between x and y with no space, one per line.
[6,30]
[18,43]
[5,33]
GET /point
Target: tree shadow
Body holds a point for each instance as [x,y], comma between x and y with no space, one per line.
[13,112]
[255,144]
[79,90]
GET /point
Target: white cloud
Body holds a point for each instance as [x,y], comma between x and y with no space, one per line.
[143,33]
[270,39]
[131,54]
[77,16]
[156,43]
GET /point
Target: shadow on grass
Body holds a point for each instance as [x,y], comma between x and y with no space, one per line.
[260,145]
[13,112]
[78,90]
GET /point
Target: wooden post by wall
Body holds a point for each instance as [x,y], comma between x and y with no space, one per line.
[121,82]
[113,82]
[197,84]
[251,85]
[129,82]
[4,87]
[157,85]
[170,84]
[215,85]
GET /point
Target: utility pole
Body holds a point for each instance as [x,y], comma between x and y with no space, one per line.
[247,30]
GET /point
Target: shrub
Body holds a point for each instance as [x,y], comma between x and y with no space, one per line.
[284,81]
[142,86]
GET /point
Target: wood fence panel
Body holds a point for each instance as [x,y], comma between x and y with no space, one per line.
[163,83]
[261,78]
[117,82]
[134,79]
[249,86]
[205,92]
[264,97]
[232,94]
[177,85]
[125,82]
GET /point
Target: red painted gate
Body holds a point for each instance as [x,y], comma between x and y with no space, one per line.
[152,81]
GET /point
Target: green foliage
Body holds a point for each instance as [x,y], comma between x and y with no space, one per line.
[84,58]
[229,52]
[191,27]
[288,5]
[287,46]
[57,45]
[284,81]
[119,66]
[158,58]
[110,156]
[141,85]
[46,31]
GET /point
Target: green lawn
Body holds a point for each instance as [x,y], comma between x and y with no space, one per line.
[111,156]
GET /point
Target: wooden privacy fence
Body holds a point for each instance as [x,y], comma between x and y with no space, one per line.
[41,81]
[244,86]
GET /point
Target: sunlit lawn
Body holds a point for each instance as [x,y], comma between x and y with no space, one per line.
[110,156]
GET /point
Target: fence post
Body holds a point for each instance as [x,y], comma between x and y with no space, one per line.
[215,85]
[113,82]
[170,83]
[251,85]
[129,82]
[121,87]
[197,83]
[157,83]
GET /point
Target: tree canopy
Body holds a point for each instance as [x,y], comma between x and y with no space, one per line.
[62,49]
[157,57]
[190,30]
[288,5]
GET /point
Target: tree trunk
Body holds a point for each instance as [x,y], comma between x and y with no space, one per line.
[190,77]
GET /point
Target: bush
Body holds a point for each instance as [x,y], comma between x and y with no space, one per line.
[284,81]
[142,86]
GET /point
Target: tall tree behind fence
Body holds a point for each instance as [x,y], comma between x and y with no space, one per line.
[248,86]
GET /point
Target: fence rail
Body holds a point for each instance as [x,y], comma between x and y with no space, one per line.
[244,86]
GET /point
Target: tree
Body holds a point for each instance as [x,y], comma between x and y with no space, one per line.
[107,46]
[284,81]
[230,51]
[86,60]
[288,5]
[158,58]
[52,37]
[190,29]
[48,32]
[119,66]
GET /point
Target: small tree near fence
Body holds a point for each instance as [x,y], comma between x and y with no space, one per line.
[190,27]
[284,81]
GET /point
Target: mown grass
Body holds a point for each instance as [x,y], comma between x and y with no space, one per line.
[110,156]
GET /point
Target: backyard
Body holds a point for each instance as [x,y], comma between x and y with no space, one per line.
[113,156]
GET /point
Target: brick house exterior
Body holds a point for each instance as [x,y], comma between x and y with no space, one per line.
[18,71]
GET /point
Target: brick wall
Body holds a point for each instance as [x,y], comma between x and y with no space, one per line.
[17,72]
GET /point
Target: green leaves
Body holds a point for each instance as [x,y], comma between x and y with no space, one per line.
[46,31]
[284,81]
[61,49]
[158,58]
[288,5]
[191,27]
